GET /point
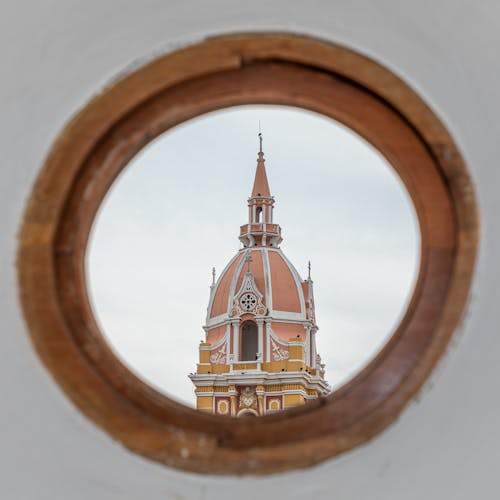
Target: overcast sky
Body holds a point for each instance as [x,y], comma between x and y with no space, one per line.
[175,212]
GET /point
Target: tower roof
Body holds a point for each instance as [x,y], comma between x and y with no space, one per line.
[274,276]
[260,184]
[260,230]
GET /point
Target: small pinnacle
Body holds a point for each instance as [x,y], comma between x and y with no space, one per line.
[213,276]
[309,270]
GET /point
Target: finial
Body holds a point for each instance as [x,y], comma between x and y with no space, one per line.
[260,139]
[248,258]
[213,276]
[309,270]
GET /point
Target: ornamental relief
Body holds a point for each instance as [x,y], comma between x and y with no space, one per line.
[248,299]
[218,357]
[248,398]
[277,352]
[222,406]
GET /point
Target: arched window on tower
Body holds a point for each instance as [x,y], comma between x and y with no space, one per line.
[249,341]
[258,213]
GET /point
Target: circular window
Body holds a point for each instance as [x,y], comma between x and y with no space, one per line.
[224,72]
[169,225]
[248,301]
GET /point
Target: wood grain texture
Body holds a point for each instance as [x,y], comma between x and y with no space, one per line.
[246,69]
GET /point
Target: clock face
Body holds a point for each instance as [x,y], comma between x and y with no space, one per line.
[248,301]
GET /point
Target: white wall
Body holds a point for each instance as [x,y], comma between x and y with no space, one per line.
[56,54]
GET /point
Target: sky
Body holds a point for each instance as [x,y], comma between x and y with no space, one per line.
[175,211]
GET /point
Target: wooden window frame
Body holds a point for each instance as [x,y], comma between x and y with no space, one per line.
[220,72]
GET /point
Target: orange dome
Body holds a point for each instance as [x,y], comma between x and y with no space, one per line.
[284,295]
[259,281]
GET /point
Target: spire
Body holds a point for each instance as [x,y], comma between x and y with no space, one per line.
[260,185]
[261,230]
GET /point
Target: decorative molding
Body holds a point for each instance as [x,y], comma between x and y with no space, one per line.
[213,291]
[267,279]
[278,353]
[237,273]
[298,283]
[248,299]
[211,347]
[219,357]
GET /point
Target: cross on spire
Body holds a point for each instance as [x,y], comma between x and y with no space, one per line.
[260,139]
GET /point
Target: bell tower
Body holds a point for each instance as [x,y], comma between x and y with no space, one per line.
[259,355]
[260,230]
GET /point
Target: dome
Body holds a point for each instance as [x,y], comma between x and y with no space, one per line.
[259,280]
[284,294]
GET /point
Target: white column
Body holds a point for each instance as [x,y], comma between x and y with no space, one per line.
[228,342]
[313,347]
[268,342]
[260,327]
[236,339]
[308,345]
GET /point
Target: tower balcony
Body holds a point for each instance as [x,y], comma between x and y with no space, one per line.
[271,229]
[261,234]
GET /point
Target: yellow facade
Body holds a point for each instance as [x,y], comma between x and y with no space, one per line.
[282,384]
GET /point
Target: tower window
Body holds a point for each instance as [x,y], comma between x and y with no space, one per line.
[258,214]
[249,341]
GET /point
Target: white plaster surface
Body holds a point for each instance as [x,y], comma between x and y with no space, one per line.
[56,54]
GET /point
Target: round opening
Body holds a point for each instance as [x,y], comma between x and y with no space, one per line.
[217,74]
[175,211]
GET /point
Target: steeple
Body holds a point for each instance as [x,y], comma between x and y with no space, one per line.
[259,355]
[260,230]
[260,184]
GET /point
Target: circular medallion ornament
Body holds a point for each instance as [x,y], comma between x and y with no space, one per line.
[222,407]
[248,301]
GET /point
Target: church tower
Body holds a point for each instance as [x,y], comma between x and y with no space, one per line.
[259,355]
